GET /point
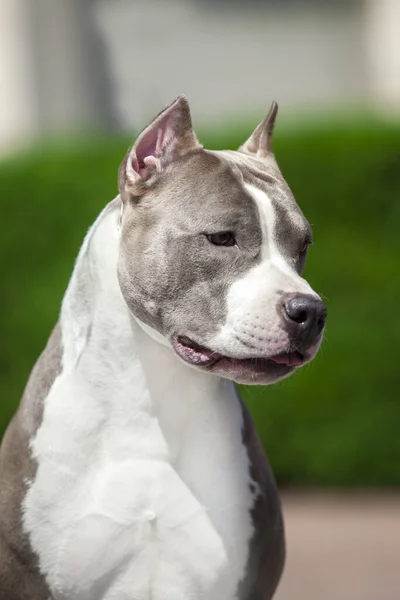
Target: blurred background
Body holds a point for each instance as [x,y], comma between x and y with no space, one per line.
[78,80]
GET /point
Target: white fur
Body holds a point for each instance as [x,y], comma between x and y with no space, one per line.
[155,335]
[142,486]
[252,326]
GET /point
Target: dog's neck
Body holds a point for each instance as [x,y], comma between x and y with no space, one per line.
[133,446]
[118,351]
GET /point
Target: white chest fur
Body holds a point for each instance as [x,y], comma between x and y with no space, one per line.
[142,490]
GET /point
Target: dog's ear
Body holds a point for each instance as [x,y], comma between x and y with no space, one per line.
[260,141]
[168,137]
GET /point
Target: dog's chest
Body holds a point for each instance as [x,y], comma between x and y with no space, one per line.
[131,504]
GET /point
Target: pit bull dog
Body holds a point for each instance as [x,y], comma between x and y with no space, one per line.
[132,470]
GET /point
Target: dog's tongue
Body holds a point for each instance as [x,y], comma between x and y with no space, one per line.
[195,354]
[290,359]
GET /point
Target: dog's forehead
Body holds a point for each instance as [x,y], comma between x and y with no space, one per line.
[204,191]
[213,187]
[205,177]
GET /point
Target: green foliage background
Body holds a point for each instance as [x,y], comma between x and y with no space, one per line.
[335,422]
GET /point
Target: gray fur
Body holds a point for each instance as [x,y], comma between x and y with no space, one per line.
[19,574]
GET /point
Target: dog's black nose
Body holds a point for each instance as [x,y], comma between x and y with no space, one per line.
[305,316]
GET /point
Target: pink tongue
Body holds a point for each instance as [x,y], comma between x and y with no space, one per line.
[291,360]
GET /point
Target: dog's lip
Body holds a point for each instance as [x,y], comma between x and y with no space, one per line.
[193,353]
[201,356]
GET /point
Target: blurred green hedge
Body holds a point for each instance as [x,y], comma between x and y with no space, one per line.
[335,422]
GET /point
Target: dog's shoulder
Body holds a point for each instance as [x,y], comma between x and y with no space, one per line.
[267,547]
[43,374]
[19,576]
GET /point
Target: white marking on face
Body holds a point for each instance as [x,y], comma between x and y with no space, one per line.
[253,326]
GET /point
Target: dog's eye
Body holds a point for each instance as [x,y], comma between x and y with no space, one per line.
[304,249]
[303,253]
[223,238]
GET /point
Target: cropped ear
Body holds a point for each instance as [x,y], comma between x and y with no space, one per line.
[260,141]
[168,137]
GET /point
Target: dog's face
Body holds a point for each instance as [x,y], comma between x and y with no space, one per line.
[212,249]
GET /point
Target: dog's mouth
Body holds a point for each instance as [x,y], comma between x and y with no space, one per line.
[277,365]
[195,354]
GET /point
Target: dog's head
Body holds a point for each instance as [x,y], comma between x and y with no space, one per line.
[212,249]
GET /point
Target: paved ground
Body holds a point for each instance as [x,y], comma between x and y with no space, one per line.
[341,547]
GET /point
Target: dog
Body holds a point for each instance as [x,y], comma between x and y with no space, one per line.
[132,470]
